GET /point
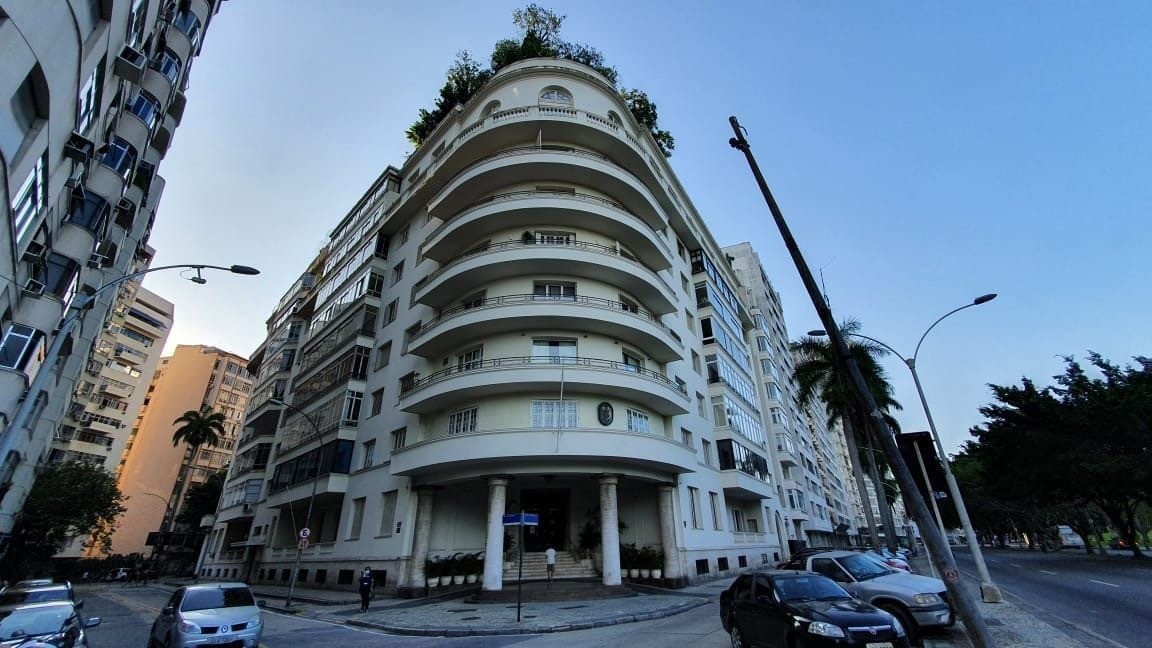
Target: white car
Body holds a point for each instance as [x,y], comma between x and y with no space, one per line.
[1069,539]
[209,614]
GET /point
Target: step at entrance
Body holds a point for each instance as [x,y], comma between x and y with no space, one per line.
[535,567]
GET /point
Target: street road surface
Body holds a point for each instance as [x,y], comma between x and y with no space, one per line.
[1098,600]
[127,614]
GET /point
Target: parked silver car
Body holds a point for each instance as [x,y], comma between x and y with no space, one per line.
[54,623]
[14,597]
[209,614]
[918,601]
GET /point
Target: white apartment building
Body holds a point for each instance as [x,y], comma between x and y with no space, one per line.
[528,316]
[815,482]
[92,93]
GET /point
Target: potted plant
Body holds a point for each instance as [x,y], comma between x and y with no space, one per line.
[658,565]
[471,564]
[629,556]
[433,568]
[450,566]
[645,559]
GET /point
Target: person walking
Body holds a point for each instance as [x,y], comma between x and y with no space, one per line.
[550,561]
[365,588]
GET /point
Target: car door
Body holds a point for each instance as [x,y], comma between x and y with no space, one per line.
[168,615]
[832,569]
[772,619]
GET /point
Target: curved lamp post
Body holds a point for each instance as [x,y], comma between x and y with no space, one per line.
[167,506]
[311,498]
[989,591]
[20,418]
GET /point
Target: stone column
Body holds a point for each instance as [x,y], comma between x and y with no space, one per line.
[610,530]
[421,533]
[494,547]
[672,567]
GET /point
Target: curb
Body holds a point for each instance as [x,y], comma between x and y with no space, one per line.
[467,631]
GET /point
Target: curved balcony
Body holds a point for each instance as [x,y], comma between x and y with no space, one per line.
[738,484]
[133,130]
[105,181]
[179,43]
[549,164]
[163,138]
[522,374]
[75,241]
[330,490]
[157,85]
[201,9]
[507,259]
[41,312]
[457,326]
[529,209]
[596,449]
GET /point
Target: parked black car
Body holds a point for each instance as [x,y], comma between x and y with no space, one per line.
[55,623]
[792,609]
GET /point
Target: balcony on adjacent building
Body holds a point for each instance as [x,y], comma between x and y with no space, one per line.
[521,374]
[456,327]
[525,258]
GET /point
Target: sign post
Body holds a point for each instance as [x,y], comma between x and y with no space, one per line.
[521,520]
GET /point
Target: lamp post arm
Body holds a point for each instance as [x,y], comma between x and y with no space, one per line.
[912,361]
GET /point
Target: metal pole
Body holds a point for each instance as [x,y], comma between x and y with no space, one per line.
[935,543]
[989,591]
[311,499]
[935,508]
[520,573]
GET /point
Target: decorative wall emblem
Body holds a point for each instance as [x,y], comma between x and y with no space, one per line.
[604,413]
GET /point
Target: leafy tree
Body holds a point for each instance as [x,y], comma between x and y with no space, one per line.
[539,37]
[1084,442]
[818,374]
[201,499]
[74,499]
[205,427]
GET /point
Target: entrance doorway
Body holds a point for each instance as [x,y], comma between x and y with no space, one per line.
[551,504]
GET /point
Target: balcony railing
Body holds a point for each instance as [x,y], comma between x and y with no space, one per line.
[509,300]
[522,195]
[538,361]
[508,245]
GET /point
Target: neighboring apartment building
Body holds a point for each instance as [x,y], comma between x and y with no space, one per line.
[156,474]
[528,316]
[815,482]
[90,95]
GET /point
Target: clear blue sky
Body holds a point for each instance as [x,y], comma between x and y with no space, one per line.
[923,153]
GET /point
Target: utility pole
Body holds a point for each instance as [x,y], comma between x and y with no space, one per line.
[935,542]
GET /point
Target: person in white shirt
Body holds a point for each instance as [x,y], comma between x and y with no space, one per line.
[550,560]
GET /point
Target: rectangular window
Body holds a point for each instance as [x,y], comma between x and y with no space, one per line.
[398,438]
[696,362]
[638,421]
[383,356]
[628,305]
[552,414]
[555,351]
[377,401]
[694,496]
[22,349]
[714,505]
[706,448]
[28,201]
[369,450]
[88,102]
[387,512]
[357,518]
[462,421]
[402,237]
[686,438]
[700,409]
[474,301]
[554,290]
[469,360]
[397,273]
[390,312]
[737,520]
[632,362]
[555,238]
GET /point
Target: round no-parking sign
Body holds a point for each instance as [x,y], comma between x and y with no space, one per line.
[304,533]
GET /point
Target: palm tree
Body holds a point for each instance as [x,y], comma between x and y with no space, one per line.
[818,374]
[199,428]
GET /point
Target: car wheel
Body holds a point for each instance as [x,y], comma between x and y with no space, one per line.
[737,636]
[906,620]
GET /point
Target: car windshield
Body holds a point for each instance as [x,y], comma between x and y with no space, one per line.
[33,596]
[210,599]
[809,588]
[862,567]
[35,621]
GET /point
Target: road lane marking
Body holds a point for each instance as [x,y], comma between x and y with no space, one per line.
[1015,565]
[1102,583]
[1045,571]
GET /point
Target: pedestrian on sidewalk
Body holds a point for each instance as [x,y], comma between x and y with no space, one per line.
[550,561]
[365,588]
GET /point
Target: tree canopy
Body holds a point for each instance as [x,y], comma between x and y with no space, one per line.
[74,499]
[205,427]
[1052,455]
[201,499]
[538,37]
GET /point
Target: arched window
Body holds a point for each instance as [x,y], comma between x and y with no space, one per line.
[555,96]
[489,108]
[614,118]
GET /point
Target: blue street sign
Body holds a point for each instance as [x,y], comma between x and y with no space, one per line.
[522,519]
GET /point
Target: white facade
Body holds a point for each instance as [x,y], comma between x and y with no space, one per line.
[92,93]
[523,317]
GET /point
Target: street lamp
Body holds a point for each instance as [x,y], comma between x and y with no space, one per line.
[311,498]
[167,506]
[20,418]
[989,591]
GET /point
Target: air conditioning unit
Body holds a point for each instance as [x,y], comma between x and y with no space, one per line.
[104,256]
[33,287]
[35,253]
[79,148]
[125,213]
[130,65]
[248,507]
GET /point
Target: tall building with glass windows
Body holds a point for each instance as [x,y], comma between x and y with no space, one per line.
[815,482]
[529,315]
[91,93]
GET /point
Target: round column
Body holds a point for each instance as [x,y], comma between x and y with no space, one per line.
[421,534]
[494,546]
[671,565]
[610,530]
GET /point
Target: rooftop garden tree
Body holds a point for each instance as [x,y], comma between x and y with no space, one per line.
[539,37]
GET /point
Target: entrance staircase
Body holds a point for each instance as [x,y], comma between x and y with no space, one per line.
[535,568]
